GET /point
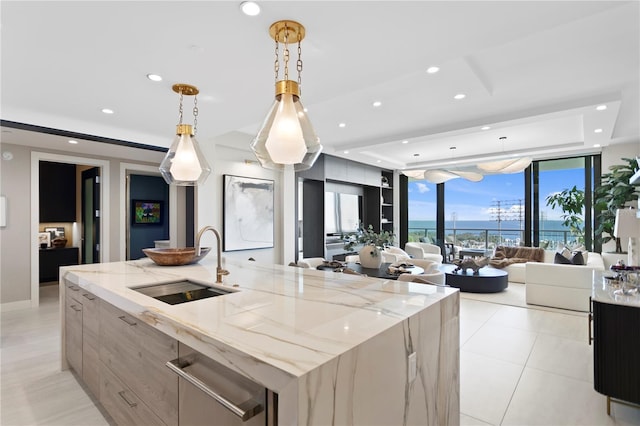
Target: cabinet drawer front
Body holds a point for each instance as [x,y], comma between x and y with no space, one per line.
[73,334]
[122,403]
[137,354]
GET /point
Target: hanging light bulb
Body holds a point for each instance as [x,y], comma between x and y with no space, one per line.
[286,138]
[184,164]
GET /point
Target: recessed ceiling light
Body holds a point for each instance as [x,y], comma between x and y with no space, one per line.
[596,145]
[597,131]
[342,125]
[154,77]
[601,107]
[107,111]
[377,104]
[250,8]
[405,142]
[485,128]
[346,152]
[416,155]
[72,142]
[305,109]
[460,96]
[433,70]
[378,161]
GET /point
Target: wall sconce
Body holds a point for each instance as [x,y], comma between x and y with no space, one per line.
[286,137]
[184,164]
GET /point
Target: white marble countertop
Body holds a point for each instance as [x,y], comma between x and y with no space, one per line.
[610,291]
[282,323]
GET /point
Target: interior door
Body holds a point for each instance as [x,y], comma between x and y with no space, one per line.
[91,215]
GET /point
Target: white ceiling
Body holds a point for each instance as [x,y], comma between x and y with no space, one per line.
[532,71]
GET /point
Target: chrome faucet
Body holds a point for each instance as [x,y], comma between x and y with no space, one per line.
[219,271]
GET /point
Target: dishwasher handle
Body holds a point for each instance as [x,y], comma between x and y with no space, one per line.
[244,411]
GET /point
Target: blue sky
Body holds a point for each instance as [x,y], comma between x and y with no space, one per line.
[475,200]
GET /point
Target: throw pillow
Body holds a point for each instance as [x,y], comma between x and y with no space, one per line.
[561,260]
[577,258]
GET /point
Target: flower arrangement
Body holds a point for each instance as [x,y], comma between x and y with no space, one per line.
[368,237]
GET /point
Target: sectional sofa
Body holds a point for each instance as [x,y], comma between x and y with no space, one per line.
[557,285]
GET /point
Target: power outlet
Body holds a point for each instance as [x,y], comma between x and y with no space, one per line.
[412,371]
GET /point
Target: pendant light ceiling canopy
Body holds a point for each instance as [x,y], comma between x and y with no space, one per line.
[184,164]
[286,138]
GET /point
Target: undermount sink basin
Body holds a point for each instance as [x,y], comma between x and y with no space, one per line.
[175,256]
[183,291]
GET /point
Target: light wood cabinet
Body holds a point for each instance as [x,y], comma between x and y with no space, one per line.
[81,330]
[123,404]
[73,330]
[136,354]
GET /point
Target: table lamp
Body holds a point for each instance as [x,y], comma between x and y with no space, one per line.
[626,227]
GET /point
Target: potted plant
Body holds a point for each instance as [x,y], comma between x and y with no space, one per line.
[571,202]
[614,193]
[372,243]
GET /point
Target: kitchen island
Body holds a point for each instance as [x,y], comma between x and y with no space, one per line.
[334,348]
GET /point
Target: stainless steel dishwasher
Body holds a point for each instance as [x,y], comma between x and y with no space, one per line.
[212,394]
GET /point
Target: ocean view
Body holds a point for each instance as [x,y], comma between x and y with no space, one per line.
[551,225]
[487,233]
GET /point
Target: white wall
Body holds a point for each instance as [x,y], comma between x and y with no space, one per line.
[224,160]
[15,241]
[612,155]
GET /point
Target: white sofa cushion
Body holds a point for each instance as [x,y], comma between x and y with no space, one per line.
[561,286]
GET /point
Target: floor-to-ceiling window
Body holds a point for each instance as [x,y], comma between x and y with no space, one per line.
[422,208]
[503,209]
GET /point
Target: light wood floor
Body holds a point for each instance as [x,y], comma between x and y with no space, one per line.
[33,390]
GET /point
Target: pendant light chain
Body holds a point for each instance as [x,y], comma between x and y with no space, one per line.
[276,63]
[195,115]
[299,65]
[180,108]
[285,53]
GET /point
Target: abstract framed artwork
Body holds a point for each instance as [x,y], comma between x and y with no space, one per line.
[146,212]
[247,219]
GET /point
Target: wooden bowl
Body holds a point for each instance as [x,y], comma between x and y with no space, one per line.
[175,256]
[59,242]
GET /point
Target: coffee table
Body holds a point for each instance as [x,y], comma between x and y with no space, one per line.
[488,280]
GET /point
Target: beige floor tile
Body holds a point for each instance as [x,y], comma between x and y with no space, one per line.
[477,311]
[543,398]
[569,326]
[562,356]
[486,386]
[503,343]
[470,421]
[467,329]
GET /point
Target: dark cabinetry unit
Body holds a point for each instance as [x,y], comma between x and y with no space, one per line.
[616,351]
[386,200]
[52,259]
[57,192]
[332,174]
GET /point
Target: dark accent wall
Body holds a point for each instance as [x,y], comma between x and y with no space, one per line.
[152,188]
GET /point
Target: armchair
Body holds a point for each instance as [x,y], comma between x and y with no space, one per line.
[424,251]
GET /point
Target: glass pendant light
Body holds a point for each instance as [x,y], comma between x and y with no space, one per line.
[286,138]
[184,164]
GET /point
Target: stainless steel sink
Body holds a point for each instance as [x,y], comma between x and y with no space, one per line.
[182,291]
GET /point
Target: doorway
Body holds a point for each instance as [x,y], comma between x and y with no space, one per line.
[90,215]
[102,225]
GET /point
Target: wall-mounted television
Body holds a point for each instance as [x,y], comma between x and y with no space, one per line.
[146,212]
[342,212]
